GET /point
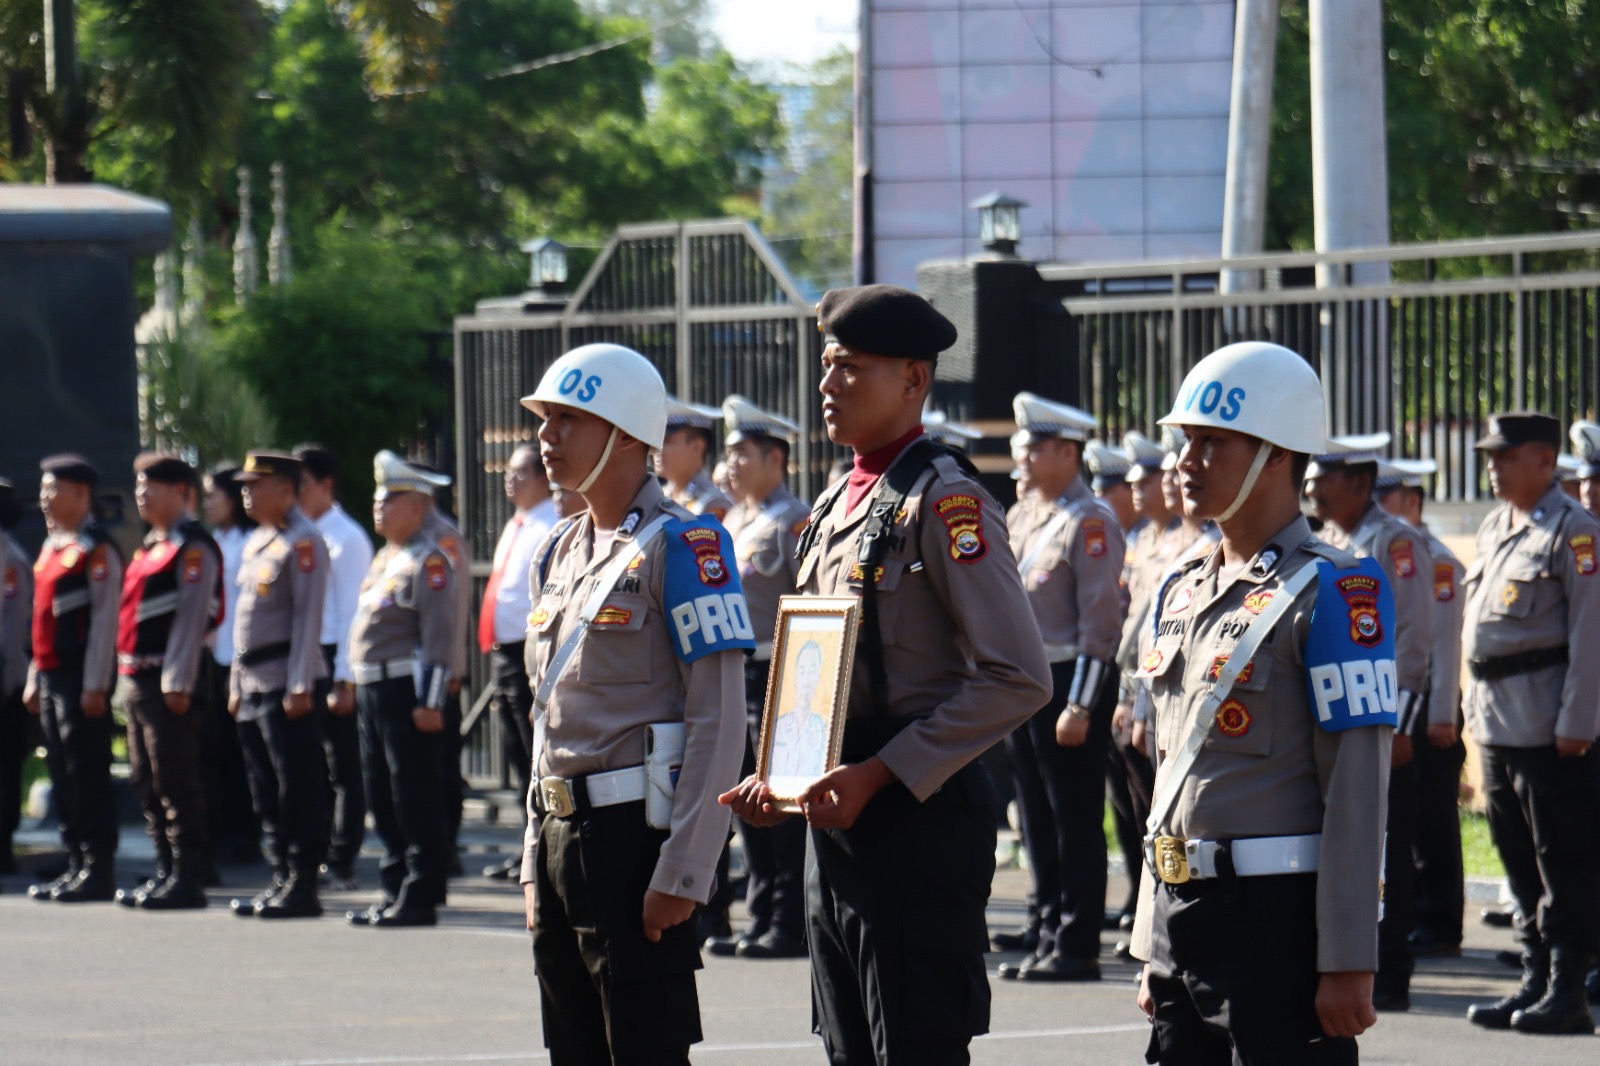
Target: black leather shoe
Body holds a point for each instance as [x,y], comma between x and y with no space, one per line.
[404,917]
[1497,919]
[1010,971]
[725,947]
[365,917]
[772,945]
[1535,981]
[93,884]
[249,908]
[43,890]
[1123,951]
[509,869]
[292,905]
[130,897]
[177,893]
[1512,959]
[1564,1008]
[1024,938]
[338,877]
[1055,967]
[1424,942]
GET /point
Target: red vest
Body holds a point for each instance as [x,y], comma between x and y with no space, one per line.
[61,596]
[150,583]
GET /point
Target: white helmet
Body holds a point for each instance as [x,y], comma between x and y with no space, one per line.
[1261,390]
[611,382]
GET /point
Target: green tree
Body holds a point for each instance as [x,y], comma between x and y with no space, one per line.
[809,214]
[687,23]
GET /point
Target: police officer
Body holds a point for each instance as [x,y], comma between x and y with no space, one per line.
[77,580]
[1069,546]
[1252,954]
[283,583]
[400,650]
[765,529]
[1585,437]
[636,646]
[949,661]
[1108,477]
[503,620]
[1569,474]
[1341,485]
[681,460]
[171,602]
[1440,890]
[1533,593]
[16,601]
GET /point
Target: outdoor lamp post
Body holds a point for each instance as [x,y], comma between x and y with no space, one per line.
[549,269]
[999,222]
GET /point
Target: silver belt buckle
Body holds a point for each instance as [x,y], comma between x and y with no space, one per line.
[557,795]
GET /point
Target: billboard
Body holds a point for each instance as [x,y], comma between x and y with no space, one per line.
[1108,117]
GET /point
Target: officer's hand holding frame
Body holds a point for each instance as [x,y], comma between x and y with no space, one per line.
[808,690]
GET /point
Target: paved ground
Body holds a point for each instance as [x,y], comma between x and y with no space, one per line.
[97,984]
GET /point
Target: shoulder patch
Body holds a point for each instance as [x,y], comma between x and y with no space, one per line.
[10,586]
[305,555]
[436,567]
[193,559]
[98,565]
[707,547]
[451,546]
[962,516]
[1094,537]
[701,593]
[1403,556]
[1349,653]
[1582,547]
[1444,582]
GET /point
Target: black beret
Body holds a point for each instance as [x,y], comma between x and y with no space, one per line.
[258,465]
[884,320]
[1511,428]
[167,469]
[69,466]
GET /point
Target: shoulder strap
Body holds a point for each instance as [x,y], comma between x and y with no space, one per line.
[808,536]
[1051,531]
[1167,794]
[550,543]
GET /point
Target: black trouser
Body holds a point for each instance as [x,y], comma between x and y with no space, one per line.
[14,719]
[451,781]
[164,769]
[513,709]
[341,747]
[1395,961]
[895,920]
[78,753]
[1234,975]
[231,821]
[403,791]
[289,780]
[1542,815]
[1436,849]
[1061,797]
[608,995]
[1129,780]
[775,856]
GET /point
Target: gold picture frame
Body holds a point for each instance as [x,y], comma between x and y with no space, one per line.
[813,653]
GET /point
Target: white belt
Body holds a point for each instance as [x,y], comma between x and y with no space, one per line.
[1060,653]
[1253,857]
[604,790]
[372,673]
[763,652]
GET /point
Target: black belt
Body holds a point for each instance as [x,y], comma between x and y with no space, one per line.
[1522,662]
[264,654]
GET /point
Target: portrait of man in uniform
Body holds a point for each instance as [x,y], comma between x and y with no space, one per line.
[803,700]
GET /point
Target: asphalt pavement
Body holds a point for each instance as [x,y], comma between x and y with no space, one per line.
[94,983]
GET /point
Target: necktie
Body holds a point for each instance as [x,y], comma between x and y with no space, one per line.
[491,591]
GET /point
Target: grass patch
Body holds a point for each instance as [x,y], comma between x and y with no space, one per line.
[1478,855]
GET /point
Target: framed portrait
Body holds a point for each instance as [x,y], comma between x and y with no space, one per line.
[808,689]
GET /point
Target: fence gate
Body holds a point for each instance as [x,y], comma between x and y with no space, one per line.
[706,302]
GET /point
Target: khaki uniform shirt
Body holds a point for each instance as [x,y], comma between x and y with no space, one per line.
[960,645]
[1403,554]
[1143,569]
[1535,586]
[701,496]
[447,535]
[1072,573]
[1267,768]
[1444,692]
[407,609]
[283,583]
[16,618]
[764,537]
[626,675]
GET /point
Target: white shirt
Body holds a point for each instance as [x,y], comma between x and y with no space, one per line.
[231,542]
[513,557]
[349,556]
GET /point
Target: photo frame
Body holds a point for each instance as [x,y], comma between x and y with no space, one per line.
[808,693]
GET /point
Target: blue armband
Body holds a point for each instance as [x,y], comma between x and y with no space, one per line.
[703,598]
[1349,654]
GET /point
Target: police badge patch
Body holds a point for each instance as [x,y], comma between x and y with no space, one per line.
[707,547]
[1582,547]
[1360,594]
[1094,537]
[1404,559]
[305,554]
[962,516]
[1444,582]
[192,558]
[1233,719]
[437,570]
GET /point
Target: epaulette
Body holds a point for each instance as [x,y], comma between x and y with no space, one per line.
[1337,556]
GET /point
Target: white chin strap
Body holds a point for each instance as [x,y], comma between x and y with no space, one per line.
[1249,483]
[605,457]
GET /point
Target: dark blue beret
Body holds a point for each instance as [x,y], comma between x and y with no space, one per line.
[69,466]
[885,320]
[167,469]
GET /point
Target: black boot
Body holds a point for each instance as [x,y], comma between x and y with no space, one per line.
[249,908]
[95,883]
[46,890]
[297,900]
[1564,1007]
[1535,979]
[130,897]
[184,891]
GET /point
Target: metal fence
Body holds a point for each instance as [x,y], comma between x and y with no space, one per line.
[1466,328]
[706,302]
